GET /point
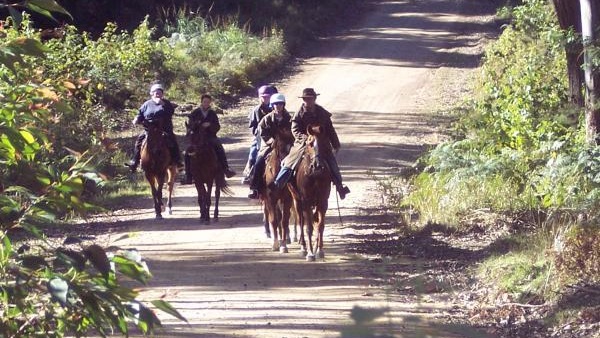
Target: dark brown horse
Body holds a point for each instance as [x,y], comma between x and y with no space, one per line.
[205,170]
[277,202]
[157,166]
[311,190]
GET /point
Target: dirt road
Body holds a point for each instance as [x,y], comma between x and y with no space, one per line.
[381,80]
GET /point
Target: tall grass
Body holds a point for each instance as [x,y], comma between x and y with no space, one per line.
[219,56]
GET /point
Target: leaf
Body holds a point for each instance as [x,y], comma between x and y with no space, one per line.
[51,5]
[71,258]
[29,46]
[148,320]
[168,308]
[27,136]
[40,10]
[58,288]
[69,85]
[48,93]
[131,269]
[98,257]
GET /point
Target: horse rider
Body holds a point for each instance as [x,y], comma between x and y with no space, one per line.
[208,119]
[156,107]
[254,118]
[311,113]
[276,120]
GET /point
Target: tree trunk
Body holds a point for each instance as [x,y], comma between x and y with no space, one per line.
[569,17]
[589,21]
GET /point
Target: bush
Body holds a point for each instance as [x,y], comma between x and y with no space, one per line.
[224,59]
[50,289]
[578,253]
[518,140]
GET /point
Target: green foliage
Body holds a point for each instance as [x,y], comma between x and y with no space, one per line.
[49,289]
[521,146]
[521,149]
[118,64]
[219,59]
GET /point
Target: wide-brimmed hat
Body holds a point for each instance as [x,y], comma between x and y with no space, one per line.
[308,92]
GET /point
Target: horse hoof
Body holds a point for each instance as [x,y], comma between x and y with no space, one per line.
[158,217]
[303,253]
[310,258]
[276,247]
[283,249]
[320,254]
[268,234]
[170,211]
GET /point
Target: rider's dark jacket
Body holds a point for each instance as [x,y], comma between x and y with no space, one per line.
[256,116]
[151,110]
[196,116]
[300,121]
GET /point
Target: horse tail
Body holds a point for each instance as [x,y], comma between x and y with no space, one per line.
[222,184]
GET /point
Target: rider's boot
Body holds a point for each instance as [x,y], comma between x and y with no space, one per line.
[135,159]
[337,178]
[223,159]
[282,178]
[256,175]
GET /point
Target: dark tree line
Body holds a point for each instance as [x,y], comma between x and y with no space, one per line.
[298,18]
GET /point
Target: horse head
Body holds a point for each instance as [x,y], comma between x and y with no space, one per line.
[318,146]
[197,133]
[283,140]
[155,133]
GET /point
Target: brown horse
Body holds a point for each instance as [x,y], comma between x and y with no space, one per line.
[156,163]
[277,202]
[206,171]
[311,190]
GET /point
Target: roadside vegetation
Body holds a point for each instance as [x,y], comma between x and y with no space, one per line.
[518,164]
[64,96]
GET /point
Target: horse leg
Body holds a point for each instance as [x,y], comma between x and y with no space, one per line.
[320,222]
[301,222]
[217,197]
[207,202]
[272,220]
[155,196]
[308,220]
[294,212]
[201,192]
[170,185]
[266,220]
[285,225]
[160,182]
